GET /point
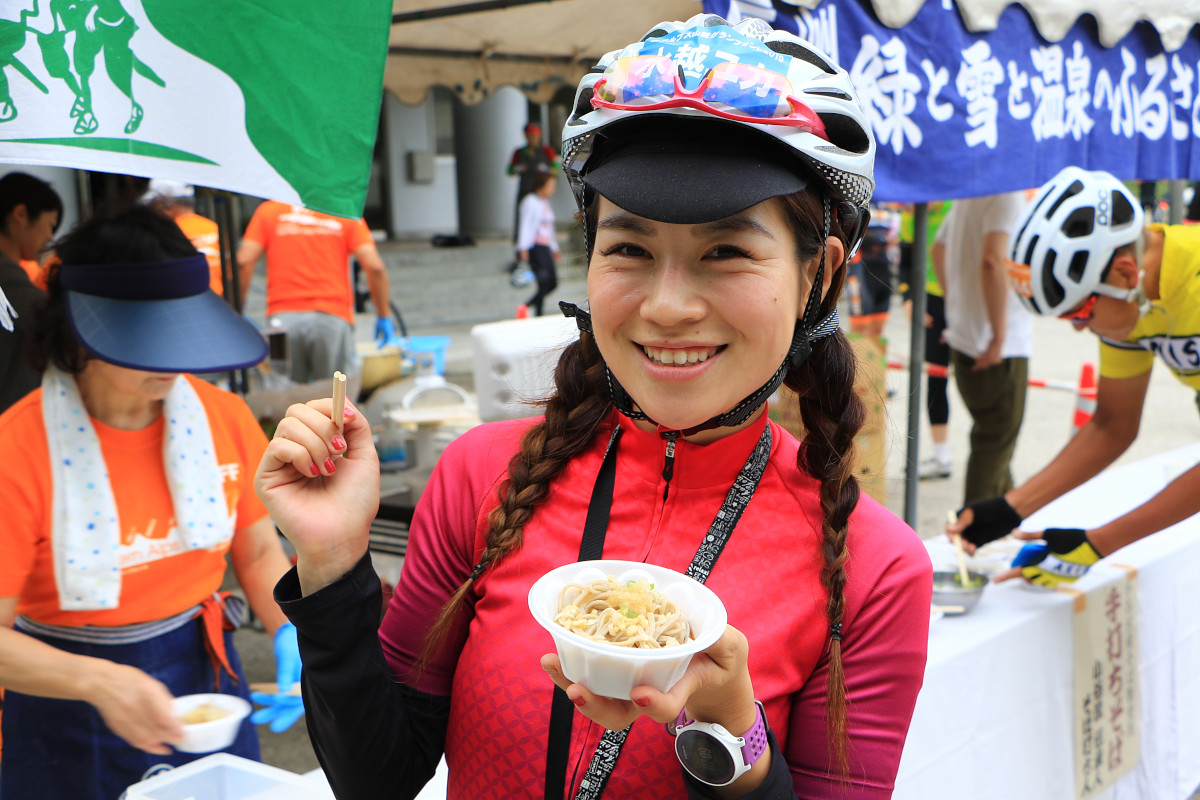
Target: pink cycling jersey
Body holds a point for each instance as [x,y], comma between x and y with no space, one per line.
[768,577]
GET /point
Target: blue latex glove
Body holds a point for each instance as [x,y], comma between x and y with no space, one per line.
[282,710]
[385,330]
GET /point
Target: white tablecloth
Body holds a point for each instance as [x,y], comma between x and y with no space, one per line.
[994,718]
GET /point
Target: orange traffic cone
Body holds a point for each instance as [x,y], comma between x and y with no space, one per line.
[522,311]
[1085,396]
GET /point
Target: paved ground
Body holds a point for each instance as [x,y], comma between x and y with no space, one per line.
[1170,420]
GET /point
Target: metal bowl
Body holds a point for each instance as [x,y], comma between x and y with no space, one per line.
[949,595]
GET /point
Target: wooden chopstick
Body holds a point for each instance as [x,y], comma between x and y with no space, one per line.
[949,609]
[273,688]
[339,402]
[958,548]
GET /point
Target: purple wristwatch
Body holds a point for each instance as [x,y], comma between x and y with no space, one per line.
[713,755]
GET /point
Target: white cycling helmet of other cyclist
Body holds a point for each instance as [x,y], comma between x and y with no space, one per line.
[1063,243]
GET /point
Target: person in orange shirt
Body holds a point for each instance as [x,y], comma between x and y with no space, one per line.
[130,485]
[30,211]
[177,200]
[309,293]
[35,270]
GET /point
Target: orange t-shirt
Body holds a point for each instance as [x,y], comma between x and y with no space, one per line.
[36,273]
[202,233]
[307,258]
[158,577]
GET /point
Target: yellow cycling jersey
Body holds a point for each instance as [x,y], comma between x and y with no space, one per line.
[1171,329]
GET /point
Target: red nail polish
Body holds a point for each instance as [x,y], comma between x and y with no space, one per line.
[579,702]
[314,470]
[329,467]
[642,701]
[348,413]
[338,443]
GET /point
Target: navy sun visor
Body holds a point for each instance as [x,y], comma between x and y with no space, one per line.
[159,317]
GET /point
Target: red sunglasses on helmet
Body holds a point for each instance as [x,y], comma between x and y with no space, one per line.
[740,92]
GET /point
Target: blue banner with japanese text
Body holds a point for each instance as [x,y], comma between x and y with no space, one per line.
[960,114]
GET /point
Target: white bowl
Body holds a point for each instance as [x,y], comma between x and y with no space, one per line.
[217,734]
[611,670]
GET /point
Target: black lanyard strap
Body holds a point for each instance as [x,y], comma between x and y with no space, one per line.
[590,549]
[604,760]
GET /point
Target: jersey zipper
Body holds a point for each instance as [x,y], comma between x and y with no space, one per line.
[669,461]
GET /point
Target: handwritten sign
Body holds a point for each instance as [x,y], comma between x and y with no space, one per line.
[1106,696]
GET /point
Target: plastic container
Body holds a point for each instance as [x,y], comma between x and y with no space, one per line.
[395,446]
[223,776]
[217,734]
[611,670]
[433,345]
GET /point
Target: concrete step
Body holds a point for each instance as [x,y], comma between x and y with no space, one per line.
[487,303]
[439,286]
[448,286]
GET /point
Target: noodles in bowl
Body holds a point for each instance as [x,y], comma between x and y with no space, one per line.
[627,623]
[625,613]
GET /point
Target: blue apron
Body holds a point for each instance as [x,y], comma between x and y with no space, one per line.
[62,750]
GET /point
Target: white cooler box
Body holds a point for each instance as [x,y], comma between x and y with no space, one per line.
[222,776]
[514,363]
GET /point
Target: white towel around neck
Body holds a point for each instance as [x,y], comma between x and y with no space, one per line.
[7,312]
[86,533]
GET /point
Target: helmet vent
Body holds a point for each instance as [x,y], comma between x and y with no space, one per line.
[836,94]
[1123,213]
[1078,266]
[1032,213]
[583,106]
[1080,223]
[1052,290]
[796,50]
[1028,259]
[846,133]
[1075,188]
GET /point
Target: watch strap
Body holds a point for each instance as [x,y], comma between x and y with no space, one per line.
[754,741]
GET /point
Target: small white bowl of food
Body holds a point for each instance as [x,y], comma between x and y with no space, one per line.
[210,721]
[621,624]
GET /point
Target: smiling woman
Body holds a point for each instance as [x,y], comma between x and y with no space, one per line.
[718,216]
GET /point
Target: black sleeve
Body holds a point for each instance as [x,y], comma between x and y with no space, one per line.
[777,786]
[374,737]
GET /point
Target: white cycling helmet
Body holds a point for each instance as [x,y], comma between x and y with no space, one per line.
[1064,240]
[764,82]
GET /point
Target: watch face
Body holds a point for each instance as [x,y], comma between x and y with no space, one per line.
[704,757]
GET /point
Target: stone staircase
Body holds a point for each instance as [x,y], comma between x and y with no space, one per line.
[446,286]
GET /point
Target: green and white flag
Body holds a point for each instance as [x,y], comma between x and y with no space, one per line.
[273,98]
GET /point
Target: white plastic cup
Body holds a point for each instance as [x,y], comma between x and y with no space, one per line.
[217,734]
[611,670]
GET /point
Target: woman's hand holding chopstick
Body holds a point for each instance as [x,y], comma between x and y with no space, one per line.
[324,508]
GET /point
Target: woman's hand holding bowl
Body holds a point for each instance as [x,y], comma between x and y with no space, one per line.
[715,688]
[135,707]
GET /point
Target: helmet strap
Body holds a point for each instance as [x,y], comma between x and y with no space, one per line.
[801,348]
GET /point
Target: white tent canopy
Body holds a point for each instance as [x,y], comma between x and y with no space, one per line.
[539,47]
